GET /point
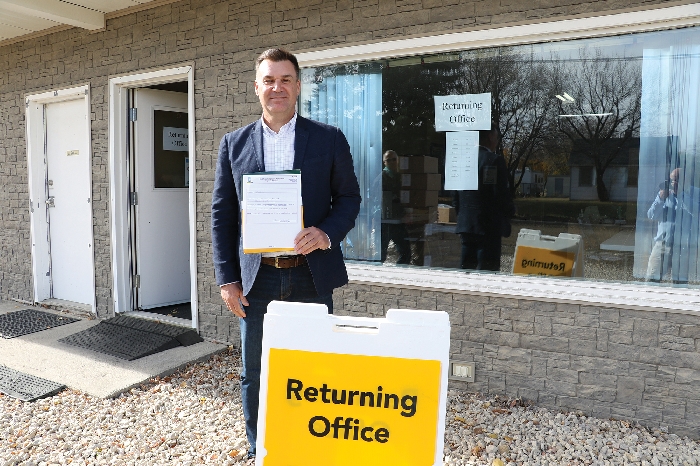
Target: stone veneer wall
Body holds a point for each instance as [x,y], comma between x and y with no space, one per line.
[609,363]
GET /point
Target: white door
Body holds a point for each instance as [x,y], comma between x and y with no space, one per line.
[162,192]
[69,201]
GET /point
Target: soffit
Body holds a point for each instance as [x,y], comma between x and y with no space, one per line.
[28,17]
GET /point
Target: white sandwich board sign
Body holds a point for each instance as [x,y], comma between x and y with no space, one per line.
[349,390]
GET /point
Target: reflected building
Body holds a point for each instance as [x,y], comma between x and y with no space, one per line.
[622,158]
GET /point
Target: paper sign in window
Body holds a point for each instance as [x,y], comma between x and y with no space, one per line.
[175,139]
[462,161]
[468,112]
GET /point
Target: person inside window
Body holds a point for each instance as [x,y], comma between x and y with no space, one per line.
[483,215]
[670,209]
[393,228]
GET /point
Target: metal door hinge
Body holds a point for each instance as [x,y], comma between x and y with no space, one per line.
[136,280]
[51,202]
[133,198]
[132,114]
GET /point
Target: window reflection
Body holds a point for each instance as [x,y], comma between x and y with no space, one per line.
[591,131]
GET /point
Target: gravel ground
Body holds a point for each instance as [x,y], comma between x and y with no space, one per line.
[194,417]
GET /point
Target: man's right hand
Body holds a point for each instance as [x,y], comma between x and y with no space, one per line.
[232,294]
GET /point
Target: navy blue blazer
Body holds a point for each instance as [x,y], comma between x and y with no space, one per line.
[488,210]
[329,190]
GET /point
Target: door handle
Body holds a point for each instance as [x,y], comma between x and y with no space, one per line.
[50,202]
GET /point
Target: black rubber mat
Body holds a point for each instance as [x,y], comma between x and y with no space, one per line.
[181,311]
[185,336]
[132,338]
[26,387]
[26,321]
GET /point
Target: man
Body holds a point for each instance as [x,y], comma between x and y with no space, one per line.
[670,210]
[483,216]
[280,140]
[392,227]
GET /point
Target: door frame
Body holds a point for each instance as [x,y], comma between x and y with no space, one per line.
[119,178]
[36,168]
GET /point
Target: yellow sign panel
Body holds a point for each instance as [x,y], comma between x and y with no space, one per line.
[539,261]
[342,409]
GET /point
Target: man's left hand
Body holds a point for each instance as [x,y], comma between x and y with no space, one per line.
[310,239]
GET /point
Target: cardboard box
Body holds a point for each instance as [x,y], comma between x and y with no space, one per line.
[418,164]
[446,214]
[419,198]
[420,215]
[427,181]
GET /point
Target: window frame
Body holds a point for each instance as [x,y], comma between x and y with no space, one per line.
[633,295]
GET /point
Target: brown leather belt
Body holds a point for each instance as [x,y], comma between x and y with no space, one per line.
[284,262]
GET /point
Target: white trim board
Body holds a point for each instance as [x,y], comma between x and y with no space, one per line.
[119,233]
[557,290]
[36,169]
[577,28]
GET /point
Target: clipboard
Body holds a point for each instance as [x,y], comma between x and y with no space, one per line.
[272,211]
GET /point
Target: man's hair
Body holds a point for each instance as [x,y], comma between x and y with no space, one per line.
[277,55]
[485,134]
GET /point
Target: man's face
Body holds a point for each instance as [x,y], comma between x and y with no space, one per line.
[277,86]
[673,179]
[391,161]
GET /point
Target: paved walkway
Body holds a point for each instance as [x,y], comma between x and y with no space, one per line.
[40,354]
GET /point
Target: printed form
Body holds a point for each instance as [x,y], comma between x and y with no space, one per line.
[272,211]
[462,160]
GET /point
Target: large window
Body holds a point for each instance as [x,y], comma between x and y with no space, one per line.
[599,138]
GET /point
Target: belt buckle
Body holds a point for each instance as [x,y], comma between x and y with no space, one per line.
[277,262]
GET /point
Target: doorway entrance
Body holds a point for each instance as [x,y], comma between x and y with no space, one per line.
[153,196]
[60,185]
[160,253]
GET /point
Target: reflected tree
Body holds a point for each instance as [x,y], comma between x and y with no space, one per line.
[408,107]
[522,106]
[522,102]
[602,109]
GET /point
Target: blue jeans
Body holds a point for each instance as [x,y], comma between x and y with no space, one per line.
[293,284]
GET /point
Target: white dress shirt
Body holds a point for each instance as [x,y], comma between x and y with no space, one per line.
[278,153]
[278,148]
